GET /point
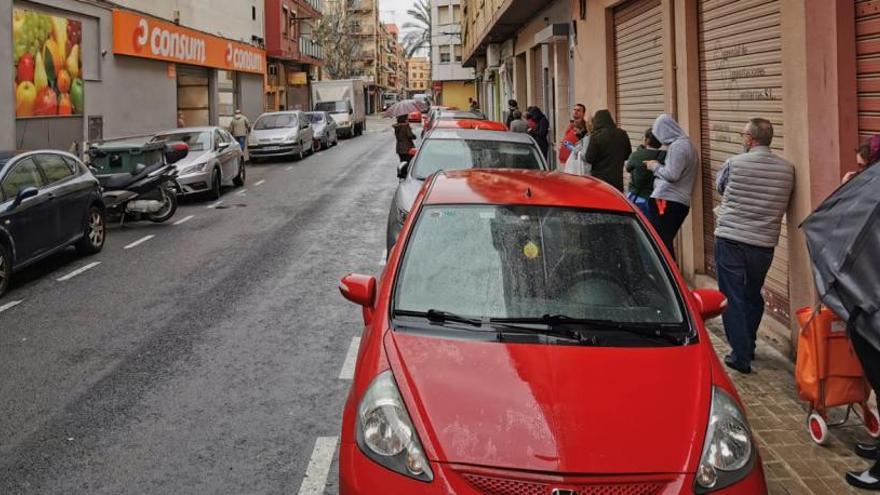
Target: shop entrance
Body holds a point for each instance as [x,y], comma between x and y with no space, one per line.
[193,96]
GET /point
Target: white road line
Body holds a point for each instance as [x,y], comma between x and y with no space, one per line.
[184,220]
[78,271]
[260,183]
[218,203]
[9,305]
[384,258]
[241,193]
[319,466]
[289,168]
[347,371]
[139,241]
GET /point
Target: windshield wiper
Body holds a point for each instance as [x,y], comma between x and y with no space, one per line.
[441,317]
[437,316]
[662,331]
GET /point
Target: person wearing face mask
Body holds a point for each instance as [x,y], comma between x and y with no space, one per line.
[755,189]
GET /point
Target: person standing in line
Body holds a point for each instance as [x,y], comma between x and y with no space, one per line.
[181,122]
[405,138]
[608,150]
[518,123]
[577,115]
[540,131]
[239,127]
[474,105]
[575,164]
[673,180]
[755,190]
[867,155]
[512,107]
[641,183]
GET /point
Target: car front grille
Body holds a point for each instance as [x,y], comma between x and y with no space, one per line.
[492,485]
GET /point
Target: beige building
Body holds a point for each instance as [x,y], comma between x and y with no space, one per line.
[394,66]
[807,65]
[364,24]
[419,79]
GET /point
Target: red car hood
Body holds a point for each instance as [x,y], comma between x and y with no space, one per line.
[563,409]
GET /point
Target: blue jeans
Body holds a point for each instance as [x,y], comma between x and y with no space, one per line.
[742,269]
[242,141]
[643,204]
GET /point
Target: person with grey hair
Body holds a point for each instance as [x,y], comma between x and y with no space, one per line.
[755,189]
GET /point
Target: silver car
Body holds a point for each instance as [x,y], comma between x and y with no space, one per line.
[325,129]
[457,149]
[281,134]
[215,160]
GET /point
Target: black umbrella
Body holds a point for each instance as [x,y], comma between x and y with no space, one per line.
[843,237]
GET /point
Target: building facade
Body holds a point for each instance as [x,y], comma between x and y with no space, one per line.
[294,55]
[125,71]
[452,83]
[419,78]
[395,62]
[809,66]
[365,26]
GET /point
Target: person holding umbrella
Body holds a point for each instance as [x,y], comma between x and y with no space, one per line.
[405,138]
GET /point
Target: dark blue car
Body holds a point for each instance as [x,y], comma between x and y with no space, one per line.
[49,200]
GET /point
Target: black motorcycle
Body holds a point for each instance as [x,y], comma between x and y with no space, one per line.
[139,182]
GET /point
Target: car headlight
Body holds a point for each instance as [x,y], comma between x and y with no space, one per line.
[728,453]
[252,140]
[191,169]
[385,433]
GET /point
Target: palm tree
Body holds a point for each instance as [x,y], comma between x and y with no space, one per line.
[419,34]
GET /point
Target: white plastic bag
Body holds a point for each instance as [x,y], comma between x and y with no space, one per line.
[575,164]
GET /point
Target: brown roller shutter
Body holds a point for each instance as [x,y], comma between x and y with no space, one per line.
[638,64]
[740,78]
[868,65]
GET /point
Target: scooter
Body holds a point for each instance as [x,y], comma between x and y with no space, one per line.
[147,192]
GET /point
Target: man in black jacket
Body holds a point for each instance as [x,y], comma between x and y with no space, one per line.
[608,150]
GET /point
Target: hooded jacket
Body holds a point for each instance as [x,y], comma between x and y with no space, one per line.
[674,179]
[608,149]
[542,127]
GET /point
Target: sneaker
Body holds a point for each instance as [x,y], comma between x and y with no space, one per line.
[731,363]
[864,480]
[867,451]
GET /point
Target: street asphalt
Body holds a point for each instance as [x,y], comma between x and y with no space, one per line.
[204,359]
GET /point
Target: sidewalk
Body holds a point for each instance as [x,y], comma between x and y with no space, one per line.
[793,464]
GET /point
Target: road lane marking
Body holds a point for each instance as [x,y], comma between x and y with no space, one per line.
[384,258]
[289,168]
[9,305]
[260,183]
[184,220]
[347,371]
[218,203]
[315,480]
[241,193]
[139,241]
[78,271]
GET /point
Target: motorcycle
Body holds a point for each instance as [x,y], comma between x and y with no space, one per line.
[133,190]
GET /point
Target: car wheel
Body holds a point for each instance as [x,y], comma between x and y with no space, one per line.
[215,186]
[5,269]
[169,207]
[242,174]
[94,234]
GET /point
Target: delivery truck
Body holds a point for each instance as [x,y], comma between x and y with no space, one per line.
[344,100]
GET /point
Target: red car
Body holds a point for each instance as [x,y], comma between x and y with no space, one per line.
[439,114]
[530,335]
[415,116]
[480,125]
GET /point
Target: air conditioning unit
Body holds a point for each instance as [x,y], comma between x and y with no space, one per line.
[493,55]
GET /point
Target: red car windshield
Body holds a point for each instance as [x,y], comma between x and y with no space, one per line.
[492,261]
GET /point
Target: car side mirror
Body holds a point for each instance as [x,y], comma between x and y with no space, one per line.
[27,192]
[710,302]
[174,152]
[223,145]
[402,170]
[361,290]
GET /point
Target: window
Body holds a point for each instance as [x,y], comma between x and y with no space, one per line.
[456,14]
[285,28]
[55,168]
[445,15]
[24,175]
[254,13]
[197,141]
[444,54]
[457,154]
[218,138]
[457,49]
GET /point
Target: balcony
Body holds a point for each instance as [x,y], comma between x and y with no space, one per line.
[309,48]
[316,4]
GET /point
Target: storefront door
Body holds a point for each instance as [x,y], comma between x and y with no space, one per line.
[193,95]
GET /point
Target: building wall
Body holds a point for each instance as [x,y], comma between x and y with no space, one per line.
[448,35]
[7,84]
[234,20]
[251,95]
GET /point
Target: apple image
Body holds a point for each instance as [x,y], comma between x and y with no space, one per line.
[25,97]
[26,68]
[77,92]
[65,107]
[47,102]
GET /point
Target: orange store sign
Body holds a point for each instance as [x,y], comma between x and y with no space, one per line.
[138,35]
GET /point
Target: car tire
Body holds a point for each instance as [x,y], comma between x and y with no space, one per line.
[95,232]
[5,269]
[242,174]
[254,160]
[164,216]
[216,186]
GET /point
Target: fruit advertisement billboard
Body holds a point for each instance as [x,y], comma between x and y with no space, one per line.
[47,64]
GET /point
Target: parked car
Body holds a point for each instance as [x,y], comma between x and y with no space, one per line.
[453,149]
[531,335]
[414,116]
[325,129]
[215,159]
[482,125]
[281,134]
[441,113]
[49,200]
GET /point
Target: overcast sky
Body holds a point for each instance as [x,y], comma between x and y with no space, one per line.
[394,10]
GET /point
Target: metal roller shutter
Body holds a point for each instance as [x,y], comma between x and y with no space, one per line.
[638,63]
[740,78]
[868,65]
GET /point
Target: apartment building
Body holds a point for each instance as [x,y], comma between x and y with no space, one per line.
[294,55]
[453,83]
[395,67]
[365,25]
[419,79]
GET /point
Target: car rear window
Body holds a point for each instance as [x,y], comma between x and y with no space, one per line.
[459,154]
